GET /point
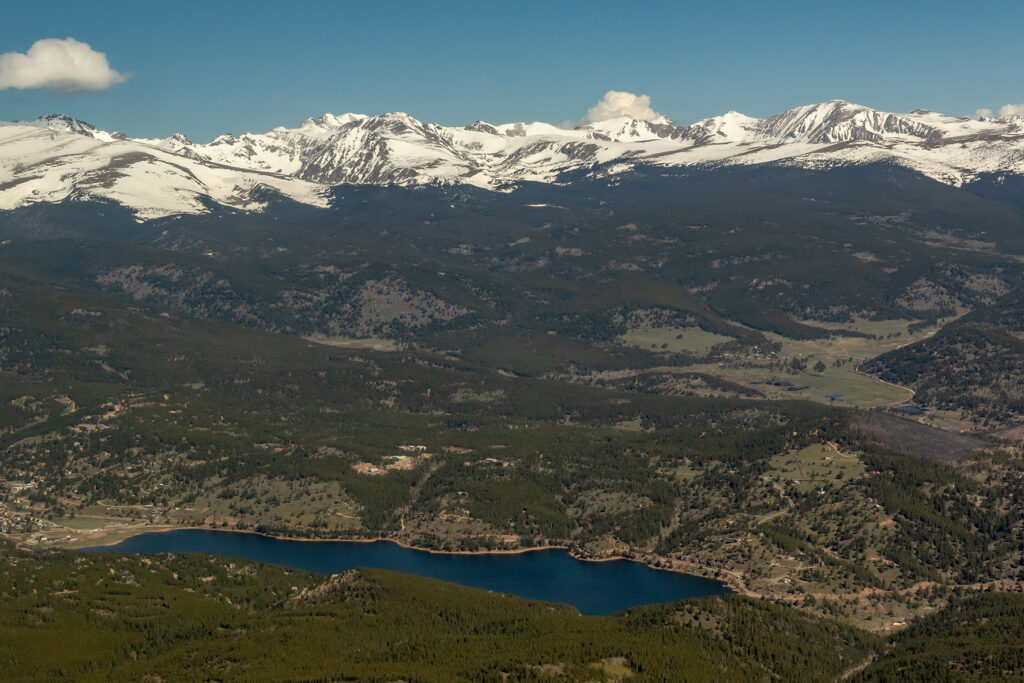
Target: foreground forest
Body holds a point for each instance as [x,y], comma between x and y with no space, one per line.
[807,390]
[190,617]
[119,418]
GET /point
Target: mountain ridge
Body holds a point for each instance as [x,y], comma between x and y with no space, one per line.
[51,159]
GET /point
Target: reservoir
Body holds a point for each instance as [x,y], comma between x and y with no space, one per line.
[552,575]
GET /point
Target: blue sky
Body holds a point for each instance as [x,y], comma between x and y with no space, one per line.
[210,68]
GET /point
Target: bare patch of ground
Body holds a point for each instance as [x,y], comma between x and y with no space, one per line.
[913,438]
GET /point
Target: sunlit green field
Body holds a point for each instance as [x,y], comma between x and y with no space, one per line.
[673,339]
[836,379]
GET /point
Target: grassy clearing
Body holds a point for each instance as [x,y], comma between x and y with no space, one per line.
[879,328]
[673,339]
[794,370]
[83,523]
[813,467]
[854,388]
[114,534]
[369,343]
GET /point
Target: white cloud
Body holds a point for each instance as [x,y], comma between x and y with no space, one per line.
[1008,110]
[616,103]
[67,65]
[1005,111]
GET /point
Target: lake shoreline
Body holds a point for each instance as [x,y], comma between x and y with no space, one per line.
[163,528]
[726,578]
[599,587]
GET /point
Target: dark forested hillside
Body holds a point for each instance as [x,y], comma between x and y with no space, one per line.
[115,617]
[418,264]
[109,617]
[804,384]
[974,365]
[977,639]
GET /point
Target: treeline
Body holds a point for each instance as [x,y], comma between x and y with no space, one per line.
[124,617]
[980,638]
[974,365]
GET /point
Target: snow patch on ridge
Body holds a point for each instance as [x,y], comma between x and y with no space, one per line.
[57,157]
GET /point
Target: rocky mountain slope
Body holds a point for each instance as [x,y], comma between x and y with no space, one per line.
[57,157]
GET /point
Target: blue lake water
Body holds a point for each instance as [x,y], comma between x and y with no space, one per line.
[553,575]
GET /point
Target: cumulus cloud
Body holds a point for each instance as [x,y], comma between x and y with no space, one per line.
[1005,111]
[616,103]
[67,65]
[1008,110]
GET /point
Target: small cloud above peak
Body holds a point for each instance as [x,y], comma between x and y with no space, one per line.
[67,65]
[1008,110]
[617,103]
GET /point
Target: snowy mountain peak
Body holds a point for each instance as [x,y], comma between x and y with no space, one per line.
[841,121]
[66,124]
[731,126]
[626,128]
[329,120]
[58,157]
[482,127]
[63,122]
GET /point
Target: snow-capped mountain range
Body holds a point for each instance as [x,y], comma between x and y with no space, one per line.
[57,157]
